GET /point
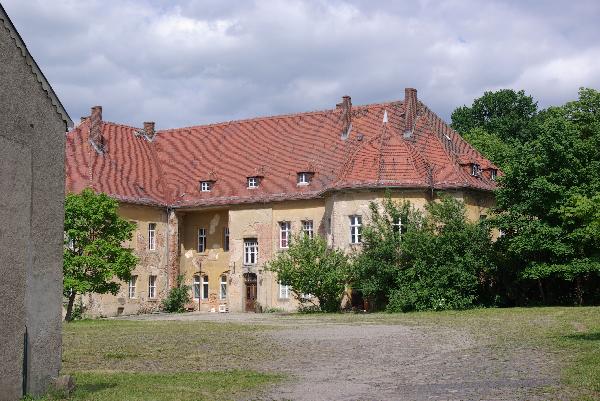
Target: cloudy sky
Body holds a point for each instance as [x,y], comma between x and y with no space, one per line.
[186,62]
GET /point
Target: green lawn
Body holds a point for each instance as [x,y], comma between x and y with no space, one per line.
[165,360]
[197,360]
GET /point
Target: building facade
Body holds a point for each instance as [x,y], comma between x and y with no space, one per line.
[215,203]
[32,136]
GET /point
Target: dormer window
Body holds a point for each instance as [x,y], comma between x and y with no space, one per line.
[303,178]
[205,186]
[493,174]
[253,182]
[475,170]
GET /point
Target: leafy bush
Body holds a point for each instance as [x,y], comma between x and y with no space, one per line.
[178,297]
[310,267]
[443,263]
[416,261]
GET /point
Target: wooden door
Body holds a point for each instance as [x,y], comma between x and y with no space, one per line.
[250,296]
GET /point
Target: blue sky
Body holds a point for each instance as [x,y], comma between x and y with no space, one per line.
[183,63]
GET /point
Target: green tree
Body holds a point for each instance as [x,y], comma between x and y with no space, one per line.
[178,297]
[93,255]
[309,266]
[376,267]
[548,203]
[498,124]
[444,263]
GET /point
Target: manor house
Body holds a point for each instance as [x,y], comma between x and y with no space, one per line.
[216,202]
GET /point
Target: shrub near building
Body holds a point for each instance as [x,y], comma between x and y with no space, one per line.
[432,261]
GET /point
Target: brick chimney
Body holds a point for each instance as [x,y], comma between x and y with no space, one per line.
[96,129]
[346,108]
[149,130]
[410,111]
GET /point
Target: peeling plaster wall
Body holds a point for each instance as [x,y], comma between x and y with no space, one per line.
[213,263]
[150,263]
[330,218]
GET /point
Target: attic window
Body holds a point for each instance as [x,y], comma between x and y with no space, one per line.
[253,182]
[303,178]
[205,186]
[475,170]
[493,174]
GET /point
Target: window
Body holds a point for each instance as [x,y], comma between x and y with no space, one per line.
[151,286]
[493,174]
[355,229]
[303,178]
[284,234]
[196,286]
[475,170]
[226,239]
[205,186]
[329,228]
[223,287]
[202,240]
[152,236]
[204,287]
[132,282]
[253,182]
[250,251]
[284,291]
[399,225]
[307,228]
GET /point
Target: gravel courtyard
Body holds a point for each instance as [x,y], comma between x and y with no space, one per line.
[373,357]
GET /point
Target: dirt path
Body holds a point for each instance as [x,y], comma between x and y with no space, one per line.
[374,361]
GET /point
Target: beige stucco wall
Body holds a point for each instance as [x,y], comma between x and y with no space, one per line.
[150,263]
[32,136]
[213,263]
[330,218]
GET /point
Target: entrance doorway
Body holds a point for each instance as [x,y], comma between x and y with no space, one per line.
[250,295]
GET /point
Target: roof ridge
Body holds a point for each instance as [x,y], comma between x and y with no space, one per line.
[275,117]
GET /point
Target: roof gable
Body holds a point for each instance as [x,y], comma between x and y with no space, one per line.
[35,69]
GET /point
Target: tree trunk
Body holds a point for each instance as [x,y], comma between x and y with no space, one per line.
[579,290]
[541,287]
[68,315]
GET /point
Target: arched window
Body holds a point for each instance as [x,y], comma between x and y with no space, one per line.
[223,292]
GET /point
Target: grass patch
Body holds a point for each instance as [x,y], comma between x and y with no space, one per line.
[166,360]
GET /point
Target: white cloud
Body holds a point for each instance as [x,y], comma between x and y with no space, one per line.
[187,62]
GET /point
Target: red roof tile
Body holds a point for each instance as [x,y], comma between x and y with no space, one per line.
[167,170]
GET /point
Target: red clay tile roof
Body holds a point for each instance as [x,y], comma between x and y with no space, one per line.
[167,170]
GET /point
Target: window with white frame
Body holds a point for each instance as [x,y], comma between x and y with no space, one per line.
[399,225]
[475,170]
[494,174]
[355,229]
[226,239]
[152,236]
[205,287]
[303,178]
[196,286]
[202,240]
[132,283]
[307,228]
[250,251]
[151,286]
[285,230]
[253,182]
[223,287]
[284,291]
[205,186]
